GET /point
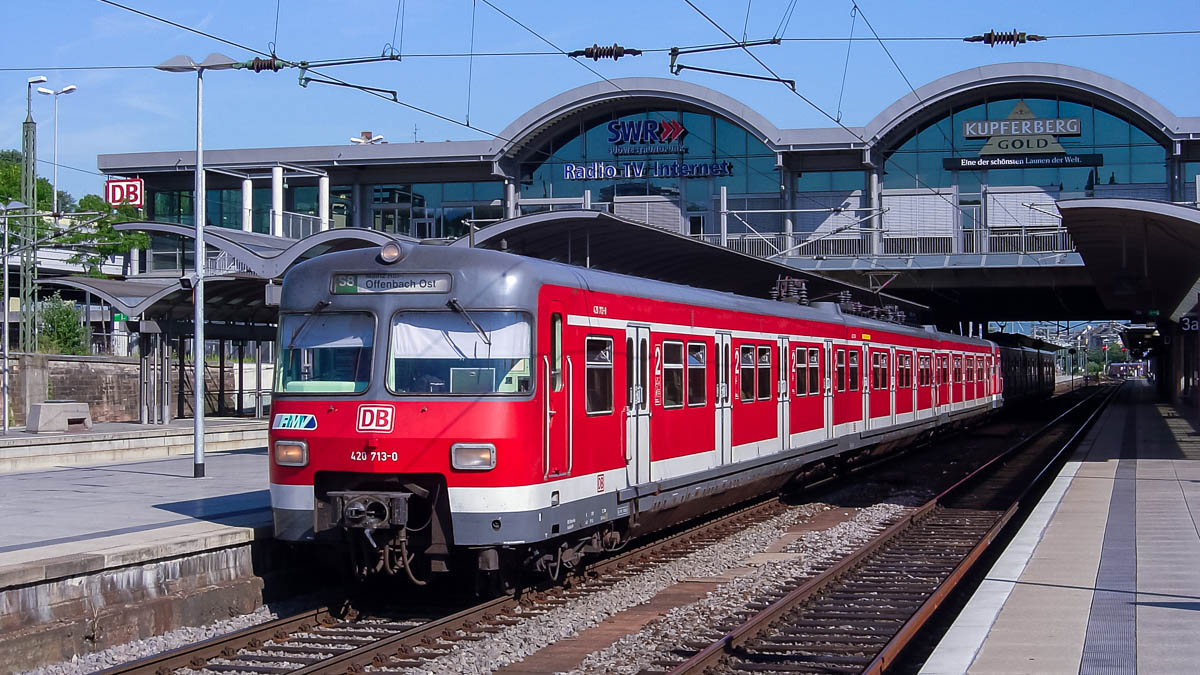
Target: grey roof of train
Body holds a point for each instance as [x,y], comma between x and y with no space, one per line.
[434,258]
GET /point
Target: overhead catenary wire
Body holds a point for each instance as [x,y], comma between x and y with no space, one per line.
[821,110]
[331,80]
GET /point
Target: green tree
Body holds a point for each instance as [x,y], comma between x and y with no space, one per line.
[100,240]
[10,182]
[62,332]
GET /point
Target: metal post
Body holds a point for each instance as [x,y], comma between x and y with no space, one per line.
[241,383]
[277,201]
[724,216]
[247,205]
[198,290]
[54,185]
[258,388]
[181,349]
[28,313]
[323,201]
[5,375]
[221,377]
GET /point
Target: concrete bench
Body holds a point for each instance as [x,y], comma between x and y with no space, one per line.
[58,416]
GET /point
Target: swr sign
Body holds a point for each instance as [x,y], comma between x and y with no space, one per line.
[127,191]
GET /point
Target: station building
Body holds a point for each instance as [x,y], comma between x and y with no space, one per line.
[1018,190]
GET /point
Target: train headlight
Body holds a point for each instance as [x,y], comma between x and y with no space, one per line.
[473,456]
[390,252]
[291,453]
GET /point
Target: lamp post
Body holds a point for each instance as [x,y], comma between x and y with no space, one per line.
[4,209]
[50,92]
[185,64]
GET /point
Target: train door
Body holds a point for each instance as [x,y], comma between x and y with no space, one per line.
[957,386]
[556,389]
[786,375]
[942,390]
[637,404]
[827,387]
[723,397]
[892,376]
[879,400]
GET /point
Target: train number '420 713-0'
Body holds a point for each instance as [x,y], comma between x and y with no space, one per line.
[374,456]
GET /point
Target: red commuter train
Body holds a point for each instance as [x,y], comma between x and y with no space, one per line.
[442,407]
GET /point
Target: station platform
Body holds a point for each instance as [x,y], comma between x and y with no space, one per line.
[1104,575]
[108,442]
[96,556]
[68,521]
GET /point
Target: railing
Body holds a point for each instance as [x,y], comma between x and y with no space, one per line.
[218,262]
[295,225]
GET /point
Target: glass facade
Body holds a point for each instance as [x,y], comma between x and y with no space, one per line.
[222,209]
[1129,155]
[434,210]
[664,166]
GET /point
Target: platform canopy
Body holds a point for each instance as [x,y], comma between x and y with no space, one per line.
[235,288]
[603,241]
[1144,256]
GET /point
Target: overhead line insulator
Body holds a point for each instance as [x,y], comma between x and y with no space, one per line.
[259,65]
[614,52]
[1013,37]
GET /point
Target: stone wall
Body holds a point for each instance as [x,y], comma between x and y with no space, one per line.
[108,384]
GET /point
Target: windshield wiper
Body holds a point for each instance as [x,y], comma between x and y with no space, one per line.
[321,304]
[452,303]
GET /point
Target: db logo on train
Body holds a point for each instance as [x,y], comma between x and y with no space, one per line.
[375,418]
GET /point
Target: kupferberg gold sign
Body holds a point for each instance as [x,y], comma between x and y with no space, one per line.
[1021,132]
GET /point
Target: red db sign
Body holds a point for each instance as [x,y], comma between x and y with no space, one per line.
[124,191]
[375,418]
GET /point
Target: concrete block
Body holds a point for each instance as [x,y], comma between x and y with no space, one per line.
[57,416]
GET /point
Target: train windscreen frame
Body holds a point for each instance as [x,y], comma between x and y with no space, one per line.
[450,353]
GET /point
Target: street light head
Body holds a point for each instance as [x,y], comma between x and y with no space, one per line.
[37,79]
[216,61]
[13,206]
[68,89]
[178,64]
[47,92]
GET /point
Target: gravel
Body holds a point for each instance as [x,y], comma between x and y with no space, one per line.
[817,549]
[512,644]
[181,637]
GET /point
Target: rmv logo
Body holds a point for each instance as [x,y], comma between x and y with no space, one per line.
[375,418]
[645,131]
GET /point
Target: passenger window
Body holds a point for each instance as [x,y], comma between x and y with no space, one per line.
[629,391]
[556,352]
[764,373]
[853,370]
[841,370]
[599,375]
[672,374]
[814,371]
[644,356]
[747,373]
[801,361]
[697,374]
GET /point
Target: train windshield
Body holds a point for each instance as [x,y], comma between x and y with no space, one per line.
[474,353]
[325,353]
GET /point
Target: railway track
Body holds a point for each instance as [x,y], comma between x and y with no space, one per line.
[337,640]
[858,615]
[328,640]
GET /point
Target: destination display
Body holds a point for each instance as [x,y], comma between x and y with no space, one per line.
[399,282]
[1020,162]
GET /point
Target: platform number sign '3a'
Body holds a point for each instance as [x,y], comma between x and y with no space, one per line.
[378,418]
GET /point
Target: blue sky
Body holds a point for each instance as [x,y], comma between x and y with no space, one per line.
[144,109]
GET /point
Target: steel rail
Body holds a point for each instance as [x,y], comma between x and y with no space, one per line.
[760,622]
[253,637]
[195,656]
